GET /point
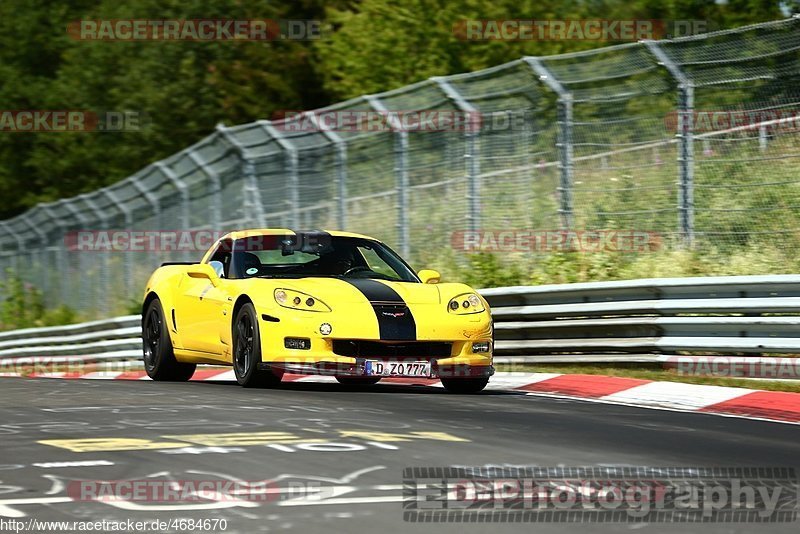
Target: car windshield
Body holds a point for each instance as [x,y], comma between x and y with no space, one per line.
[317,254]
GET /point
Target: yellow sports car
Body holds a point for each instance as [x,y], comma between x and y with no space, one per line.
[270,302]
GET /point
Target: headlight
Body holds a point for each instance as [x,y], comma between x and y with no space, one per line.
[295,300]
[466,303]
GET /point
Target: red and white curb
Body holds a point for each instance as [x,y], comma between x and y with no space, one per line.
[728,401]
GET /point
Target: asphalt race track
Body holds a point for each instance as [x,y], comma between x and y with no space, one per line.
[334,456]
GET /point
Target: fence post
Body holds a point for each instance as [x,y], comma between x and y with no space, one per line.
[341,185]
[45,285]
[103,218]
[762,137]
[20,245]
[102,297]
[3,256]
[13,257]
[128,265]
[151,198]
[565,140]
[215,217]
[401,173]
[183,189]
[250,180]
[292,165]
[685,143]
[472,156]
[62,263]
[341,170]
[10,234]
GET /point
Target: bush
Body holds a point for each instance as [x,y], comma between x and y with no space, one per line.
[485,270]
[497,270]
[23,306]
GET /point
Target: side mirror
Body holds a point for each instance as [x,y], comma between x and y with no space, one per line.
[429,276]
[218,267]
[203,270]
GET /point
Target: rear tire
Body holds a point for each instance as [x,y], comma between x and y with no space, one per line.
[464,386]
[358,380]
[159,358]
[247,351]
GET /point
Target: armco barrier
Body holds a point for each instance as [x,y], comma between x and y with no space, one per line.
[105,340]
[729,314]
[634,321]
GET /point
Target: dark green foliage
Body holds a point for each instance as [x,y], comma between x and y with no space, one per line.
[186,88]
[23,306]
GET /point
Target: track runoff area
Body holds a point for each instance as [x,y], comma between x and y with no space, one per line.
[312,456]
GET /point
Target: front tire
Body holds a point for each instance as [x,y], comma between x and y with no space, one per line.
[159,358]
[464,386]
[247,351]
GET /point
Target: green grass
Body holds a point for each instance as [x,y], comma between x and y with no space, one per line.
[648,371]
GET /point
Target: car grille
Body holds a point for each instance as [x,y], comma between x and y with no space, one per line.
[423,350]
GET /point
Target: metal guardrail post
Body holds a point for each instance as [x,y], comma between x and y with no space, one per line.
[215,215]
[565,141]
[7,230]
[341,185]
[183,190]
[84,221]
[156,204]
[103,217]
[128,262]
[250,190]
[151,198]
[292,165]
[256,211]
[401,173]
[685,143]
[45,286]
[341,170]
[472,155]
[62,260]
[20,245]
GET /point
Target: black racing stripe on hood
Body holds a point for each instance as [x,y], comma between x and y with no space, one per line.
[395,320]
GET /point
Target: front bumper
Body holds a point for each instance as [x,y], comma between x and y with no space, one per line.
[357,369]
[446,343]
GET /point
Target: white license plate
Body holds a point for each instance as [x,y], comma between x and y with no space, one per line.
[382,368]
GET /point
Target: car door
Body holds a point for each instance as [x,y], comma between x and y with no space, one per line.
[200,308]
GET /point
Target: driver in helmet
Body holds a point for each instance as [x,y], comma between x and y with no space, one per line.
[337,261]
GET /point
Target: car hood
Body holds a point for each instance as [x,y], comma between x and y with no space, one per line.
[357,290]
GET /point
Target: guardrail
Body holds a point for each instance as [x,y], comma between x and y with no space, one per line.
[729,314]
[116,339]
[632,321]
